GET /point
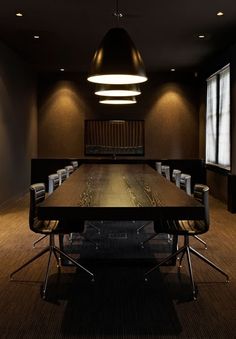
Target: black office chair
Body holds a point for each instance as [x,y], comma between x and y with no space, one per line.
[53,183]
[50,228]
[75,164]
[62,175]
[176,177]
[69,170]
[187,228]
[185,184]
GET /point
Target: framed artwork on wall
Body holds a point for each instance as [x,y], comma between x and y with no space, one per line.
[114,137]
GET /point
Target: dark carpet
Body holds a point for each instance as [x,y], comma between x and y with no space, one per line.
[119,243]
[119,304]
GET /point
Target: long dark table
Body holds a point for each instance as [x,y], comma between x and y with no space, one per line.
[119,192]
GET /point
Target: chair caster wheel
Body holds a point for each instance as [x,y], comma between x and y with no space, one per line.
[146,279]
[92,280]
[137,232]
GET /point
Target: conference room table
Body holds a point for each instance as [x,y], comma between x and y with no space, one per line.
[119,192]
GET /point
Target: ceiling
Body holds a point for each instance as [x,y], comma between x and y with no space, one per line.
[165,32]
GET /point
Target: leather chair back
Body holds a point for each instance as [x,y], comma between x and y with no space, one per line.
[185,182]
[165,171]
[69,170]
[201,193]
[62,175]
[53,182]
[37,195]
[158,166]
[75,164]
[176,177]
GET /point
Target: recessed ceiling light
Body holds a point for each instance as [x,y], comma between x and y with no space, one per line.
[62,69]
[36,36]
[201,36]
[172,70]
[19,14]
[220,14]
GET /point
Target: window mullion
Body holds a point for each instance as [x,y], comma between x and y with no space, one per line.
[217,118]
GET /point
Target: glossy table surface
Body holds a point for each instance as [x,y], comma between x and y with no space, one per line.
[119,192]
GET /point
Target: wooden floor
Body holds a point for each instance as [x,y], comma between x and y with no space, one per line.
[119,304]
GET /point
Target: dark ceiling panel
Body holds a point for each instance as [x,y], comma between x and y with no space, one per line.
[166,32]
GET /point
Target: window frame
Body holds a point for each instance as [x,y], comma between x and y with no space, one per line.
[216,163]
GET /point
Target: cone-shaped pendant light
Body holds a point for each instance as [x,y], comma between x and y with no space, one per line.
[117,60]
[117,90]
[117,101]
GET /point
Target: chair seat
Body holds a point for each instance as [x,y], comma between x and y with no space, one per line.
[56,227]
[44,226]
[181,227]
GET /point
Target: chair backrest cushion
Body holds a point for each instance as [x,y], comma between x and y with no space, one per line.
[201,193]
[75,164]
[37,195]
[158,166]
[185,182]
[69,169]
[176,177]
[53,182]
[62,175]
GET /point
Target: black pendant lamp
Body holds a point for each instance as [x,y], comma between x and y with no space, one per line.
[117,60]
[117,90]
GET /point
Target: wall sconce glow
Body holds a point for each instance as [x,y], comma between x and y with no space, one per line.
[220,14]
[19,14]
[118,101]
[117,60]
[36,36]
[201,36]
[118,90]
[172,70]
[62,69]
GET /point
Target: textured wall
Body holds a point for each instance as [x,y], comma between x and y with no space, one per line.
[168,104]
[18,124]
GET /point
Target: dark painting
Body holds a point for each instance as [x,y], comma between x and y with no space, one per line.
[114,137]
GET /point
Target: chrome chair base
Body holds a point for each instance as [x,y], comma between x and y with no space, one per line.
[52,249]
[202,241]
[142,226]
[188,249]
[169,239]
[41,238]
[95,227]
[148,239]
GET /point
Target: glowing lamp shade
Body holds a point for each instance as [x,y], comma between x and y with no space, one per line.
[117,90]
[117,101]
[117,61]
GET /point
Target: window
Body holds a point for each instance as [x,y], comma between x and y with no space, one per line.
[218,118]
